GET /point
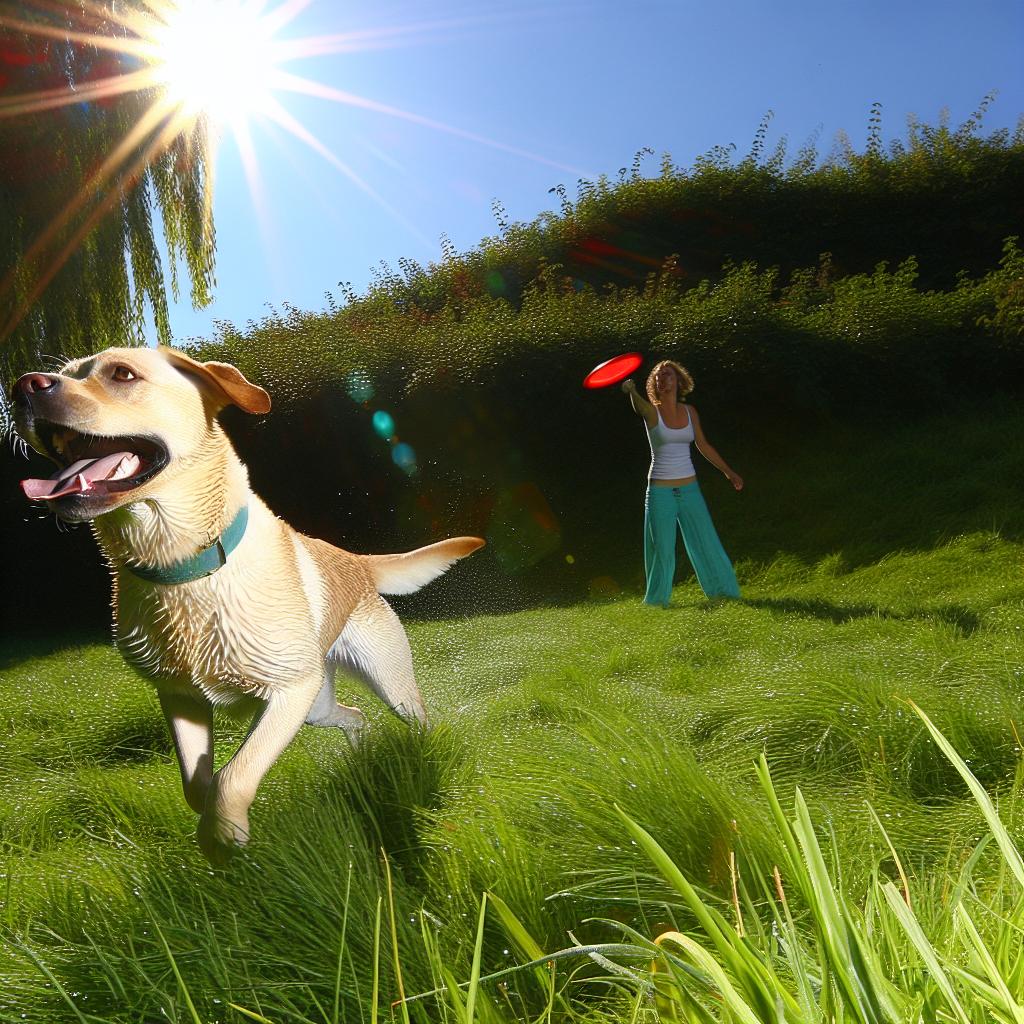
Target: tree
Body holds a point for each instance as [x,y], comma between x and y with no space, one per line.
[89,156]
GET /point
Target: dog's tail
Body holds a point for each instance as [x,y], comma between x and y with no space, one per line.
[406,573]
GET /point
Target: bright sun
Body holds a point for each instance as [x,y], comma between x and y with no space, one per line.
[214,59]
[209,66]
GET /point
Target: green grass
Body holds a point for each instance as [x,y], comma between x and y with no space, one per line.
[546,720]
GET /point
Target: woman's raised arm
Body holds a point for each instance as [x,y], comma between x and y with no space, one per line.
[640,405]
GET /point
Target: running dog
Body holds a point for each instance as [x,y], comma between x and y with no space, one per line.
[217,601]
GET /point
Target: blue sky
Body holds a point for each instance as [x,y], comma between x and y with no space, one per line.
[571,90]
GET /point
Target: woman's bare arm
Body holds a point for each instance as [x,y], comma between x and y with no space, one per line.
[709,453]
[640,405]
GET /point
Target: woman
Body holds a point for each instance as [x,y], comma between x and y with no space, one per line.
[673,494]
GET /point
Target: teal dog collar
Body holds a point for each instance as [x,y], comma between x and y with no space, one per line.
[205,563]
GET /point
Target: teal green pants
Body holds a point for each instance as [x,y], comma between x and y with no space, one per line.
[663,509]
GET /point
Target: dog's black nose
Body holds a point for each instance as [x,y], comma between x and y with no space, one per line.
[30,384]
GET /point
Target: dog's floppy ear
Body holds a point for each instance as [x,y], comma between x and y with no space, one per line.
[226,381]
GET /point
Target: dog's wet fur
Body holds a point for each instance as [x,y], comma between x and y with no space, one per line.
[140,454]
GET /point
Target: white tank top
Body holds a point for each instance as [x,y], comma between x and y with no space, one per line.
[670,449]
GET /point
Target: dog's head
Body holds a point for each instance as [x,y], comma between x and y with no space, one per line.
[122,424]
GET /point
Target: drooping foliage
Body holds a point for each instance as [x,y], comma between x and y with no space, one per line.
[79,227]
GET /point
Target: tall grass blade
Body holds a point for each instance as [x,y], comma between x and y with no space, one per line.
[474,977]
[855,969]
[249,1013]
[892,853]
[704,960]
[797,873]
[1007,1003]
[619,949]
[926,951]
[454,993]
[375,994]
[394,939]
[514,928]
[671,997]
[193,1013]
[792,947]
[1011,854]
[110,973]
[527,945]
[963,882]
[655,948]
[341,947]
[756,978]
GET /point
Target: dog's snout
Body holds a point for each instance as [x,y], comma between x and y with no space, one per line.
[30,384]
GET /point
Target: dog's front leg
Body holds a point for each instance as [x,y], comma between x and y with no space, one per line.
[191,724]
[225,821]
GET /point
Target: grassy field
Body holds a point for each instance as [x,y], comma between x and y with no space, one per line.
[884,565]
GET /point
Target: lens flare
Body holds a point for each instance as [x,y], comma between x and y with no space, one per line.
[403,456]
[383,425]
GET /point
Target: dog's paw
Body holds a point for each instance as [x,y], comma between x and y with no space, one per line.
[352,722]
[357,729]
[220,837]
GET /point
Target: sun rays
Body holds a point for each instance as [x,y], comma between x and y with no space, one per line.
[214,60]
[200,72]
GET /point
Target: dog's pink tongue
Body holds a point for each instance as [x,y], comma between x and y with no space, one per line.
[81,476]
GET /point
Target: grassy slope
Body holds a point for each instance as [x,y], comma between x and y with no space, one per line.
[880,565]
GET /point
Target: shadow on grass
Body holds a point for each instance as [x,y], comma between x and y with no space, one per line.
[818,608]
[398,777]
[43,643]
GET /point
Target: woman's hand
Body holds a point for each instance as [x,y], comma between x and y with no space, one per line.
[736,480]
[640,405]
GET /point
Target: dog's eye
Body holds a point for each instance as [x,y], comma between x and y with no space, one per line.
[122,373]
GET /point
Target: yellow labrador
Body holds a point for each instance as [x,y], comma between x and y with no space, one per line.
[217,601]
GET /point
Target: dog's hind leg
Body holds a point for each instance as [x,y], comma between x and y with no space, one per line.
[373,647]
[327,712]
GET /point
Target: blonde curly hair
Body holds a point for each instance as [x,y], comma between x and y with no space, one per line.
[683,379]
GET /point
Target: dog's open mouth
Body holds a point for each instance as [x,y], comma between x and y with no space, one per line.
[91,465]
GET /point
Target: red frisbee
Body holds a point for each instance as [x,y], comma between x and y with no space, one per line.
[613,371]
